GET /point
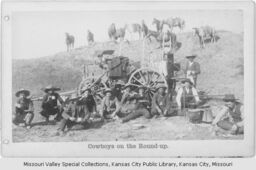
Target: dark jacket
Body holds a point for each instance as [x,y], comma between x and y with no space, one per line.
[80,109]
[51,100]
[25,105]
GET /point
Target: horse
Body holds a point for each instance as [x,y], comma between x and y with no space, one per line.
[70,40]
[115,34]
[164,38]
[159,24]
[144,29]
[134,28]
[112,31]
[120,33]
[90,37]
[174,22]
[203,33]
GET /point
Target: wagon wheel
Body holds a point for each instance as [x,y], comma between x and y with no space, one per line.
[148,78]
[97,88]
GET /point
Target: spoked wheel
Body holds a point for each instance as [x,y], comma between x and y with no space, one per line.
[97,88]
[148,78]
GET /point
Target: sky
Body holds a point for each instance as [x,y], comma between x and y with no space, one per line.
[38,34]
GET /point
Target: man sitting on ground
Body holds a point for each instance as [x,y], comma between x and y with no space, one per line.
[230,118]
[50,104]
[134,109]
[23,109]
[187,96]
[78,111]
[109,104]
[160,102]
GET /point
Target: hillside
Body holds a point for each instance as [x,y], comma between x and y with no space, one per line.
[221,64]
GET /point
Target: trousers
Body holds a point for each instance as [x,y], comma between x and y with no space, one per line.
[22,117]
[137,113]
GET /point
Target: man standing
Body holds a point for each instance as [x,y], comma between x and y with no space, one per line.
[192,69]
[230,118]
[78,111]
[23,109]
[187,95]
[109,104]
[160,102]
[50,104]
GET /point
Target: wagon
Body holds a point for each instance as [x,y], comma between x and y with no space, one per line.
[121,68]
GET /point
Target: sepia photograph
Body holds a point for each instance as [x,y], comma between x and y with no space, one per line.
[157,75]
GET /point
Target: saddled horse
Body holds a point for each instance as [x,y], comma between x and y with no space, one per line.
[115,34]
[159,24]
[90,37]
[120,33]
[70,41]
[134,28]
[205,32]
[164,38]
[174,22]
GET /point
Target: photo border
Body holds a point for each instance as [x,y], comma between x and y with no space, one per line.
[177,148]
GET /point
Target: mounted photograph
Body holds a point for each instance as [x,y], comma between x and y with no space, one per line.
[114,75]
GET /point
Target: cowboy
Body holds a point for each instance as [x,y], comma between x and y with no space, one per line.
[135,109]
[23,109]
[109,104]
[160,102]
[117,90]
[127,93]
[192,69]
[187,95]
[122,108]
[144,97]
[78,111]
[50,104]
[230,118]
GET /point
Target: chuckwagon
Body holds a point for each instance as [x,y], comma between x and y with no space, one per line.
[115,67]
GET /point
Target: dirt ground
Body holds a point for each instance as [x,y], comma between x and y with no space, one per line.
[161,128]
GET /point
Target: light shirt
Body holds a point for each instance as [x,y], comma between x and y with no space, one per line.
[180,92]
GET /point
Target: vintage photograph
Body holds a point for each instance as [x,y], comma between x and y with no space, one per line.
[127,75]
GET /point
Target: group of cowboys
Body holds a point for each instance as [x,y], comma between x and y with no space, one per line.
[123,103]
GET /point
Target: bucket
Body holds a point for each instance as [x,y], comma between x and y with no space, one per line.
[195,115]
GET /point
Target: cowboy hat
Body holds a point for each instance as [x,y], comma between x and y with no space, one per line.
[191,56]
[229,98]
[127,85]
[161,86]
[26,92]
[107,90]
[50,87]
[186,80]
